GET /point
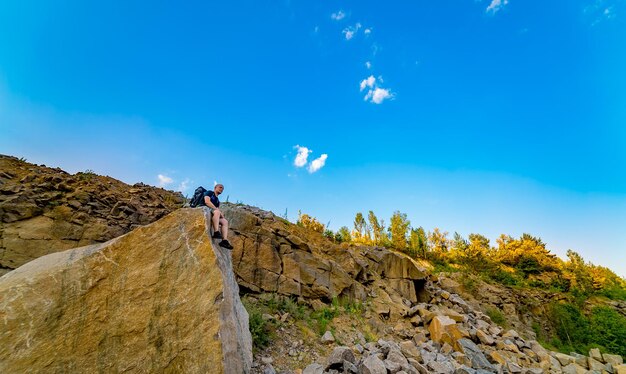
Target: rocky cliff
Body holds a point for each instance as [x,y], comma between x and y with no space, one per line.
[159,299]
[44,210]
[273,255]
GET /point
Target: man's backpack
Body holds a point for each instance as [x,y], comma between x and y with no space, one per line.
[198,197]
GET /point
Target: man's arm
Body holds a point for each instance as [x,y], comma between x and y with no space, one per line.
[207,201]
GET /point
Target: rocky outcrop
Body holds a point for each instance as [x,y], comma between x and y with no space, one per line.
[273,255]
[159,299]
[45,210]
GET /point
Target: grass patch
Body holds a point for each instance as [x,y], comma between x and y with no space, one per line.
[442,266]
[496,316]
[322,319]
[262,331]
[469,283]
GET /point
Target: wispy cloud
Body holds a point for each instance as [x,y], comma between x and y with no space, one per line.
[338,16]
[367,31]
[318,163]
[375,94]
[496,5]
[600,10]
[184,185]
[350,31]
[302,156]
[164,180]
[368,65]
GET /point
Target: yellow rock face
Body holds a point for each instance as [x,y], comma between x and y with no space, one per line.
[159,299]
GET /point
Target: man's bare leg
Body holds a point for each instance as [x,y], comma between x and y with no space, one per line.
[215,219]
[224,224]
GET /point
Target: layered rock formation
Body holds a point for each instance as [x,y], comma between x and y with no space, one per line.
[273,255]
[45,210]
[159,299]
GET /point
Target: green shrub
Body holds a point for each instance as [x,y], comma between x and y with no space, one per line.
[571,326]
[496,316]
[503,277]
[469,283]
[323,317]
[441,265]
[347,305]
[608,329]
[260,329]
[604,328]
[614,293]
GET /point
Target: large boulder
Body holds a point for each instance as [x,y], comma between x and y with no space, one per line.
[159,299]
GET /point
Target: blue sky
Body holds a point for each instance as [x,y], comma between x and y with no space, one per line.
[494,116]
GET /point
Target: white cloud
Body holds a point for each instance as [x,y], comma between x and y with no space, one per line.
[368,64]
[375,94]
[496,5]
[302,156]
[368,82]
[164,180]
[350,32]
[375,49]
[338,16]
[367,31]
[318,163]
[378,95]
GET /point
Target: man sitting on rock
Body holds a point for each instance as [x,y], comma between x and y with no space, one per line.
[217,219]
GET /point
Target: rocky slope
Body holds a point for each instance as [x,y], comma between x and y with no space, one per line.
[160,285]
[45,210]
[444,335]
[159,299]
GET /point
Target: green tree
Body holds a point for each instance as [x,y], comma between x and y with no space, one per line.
[416,244]
[360,228]
[377,228]
[361,232]
[439,241]
[343,235]
[528,255]
[479,247]
[398,227]
[460,246]
[578,273]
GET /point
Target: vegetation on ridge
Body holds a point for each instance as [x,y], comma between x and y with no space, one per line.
[521,262]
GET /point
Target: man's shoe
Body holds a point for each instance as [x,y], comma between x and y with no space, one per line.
[224,243]
[217,235]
